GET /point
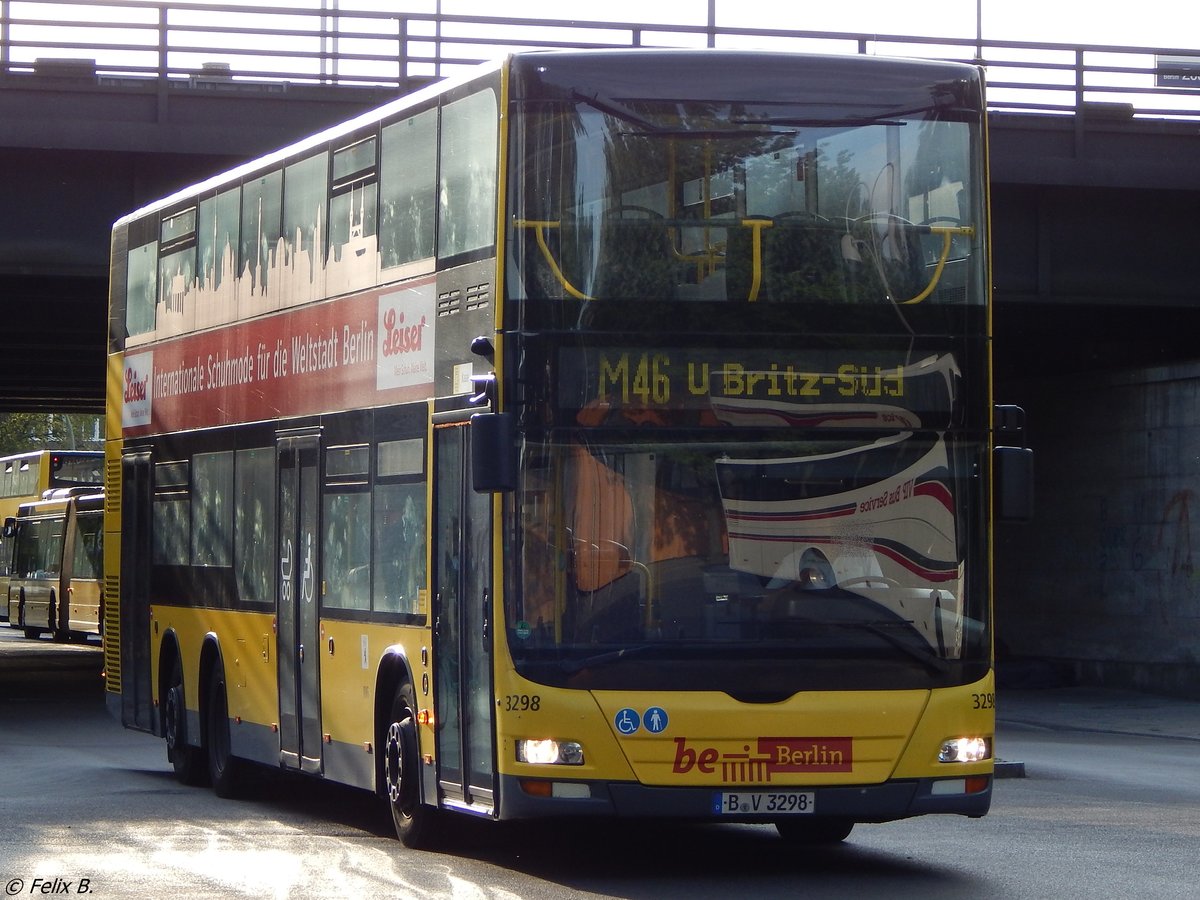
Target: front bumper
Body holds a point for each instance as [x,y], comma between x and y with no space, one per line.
[899,799]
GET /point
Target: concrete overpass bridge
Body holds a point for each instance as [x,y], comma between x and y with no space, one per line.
[1096,194]
[102,108]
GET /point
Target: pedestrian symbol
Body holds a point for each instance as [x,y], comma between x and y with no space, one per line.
[655,719]
[628,721]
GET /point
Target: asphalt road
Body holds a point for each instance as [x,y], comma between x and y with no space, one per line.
[87,808]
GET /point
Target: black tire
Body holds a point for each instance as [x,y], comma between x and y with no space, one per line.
[30,631]
[59,635]
[808,830]
[413,821]
[224,769]
[186,760]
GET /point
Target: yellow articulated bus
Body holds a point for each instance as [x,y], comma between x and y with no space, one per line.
[598,433]
[55,575]
[25,478]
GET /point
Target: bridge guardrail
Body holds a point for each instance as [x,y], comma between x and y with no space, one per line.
[232,45]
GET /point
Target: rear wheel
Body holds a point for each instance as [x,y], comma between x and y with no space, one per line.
[814,831]
[29,630]
[188,761]
[224,769]
[412,819]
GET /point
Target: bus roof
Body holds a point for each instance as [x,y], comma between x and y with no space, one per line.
[642,68]
[332,133]
[58,501]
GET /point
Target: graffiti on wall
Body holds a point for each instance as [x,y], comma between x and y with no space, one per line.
[1174,537]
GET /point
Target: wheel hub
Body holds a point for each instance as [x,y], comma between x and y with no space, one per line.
[394,761]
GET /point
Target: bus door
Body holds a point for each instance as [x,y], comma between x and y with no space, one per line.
[66,574]
[297,625]
[462,640]
[38,566]
[127,646]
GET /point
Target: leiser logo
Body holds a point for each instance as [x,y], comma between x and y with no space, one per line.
[405,335]
[758,763]
[137,399]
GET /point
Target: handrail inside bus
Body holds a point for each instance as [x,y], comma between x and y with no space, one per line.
[756,226]
[947,232]
[540,227]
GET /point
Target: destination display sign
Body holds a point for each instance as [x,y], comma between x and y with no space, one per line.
[760,387]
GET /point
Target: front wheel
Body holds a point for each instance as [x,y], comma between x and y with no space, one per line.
[807,830]
[412,819]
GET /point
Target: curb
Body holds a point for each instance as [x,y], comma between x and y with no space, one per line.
[1006,769]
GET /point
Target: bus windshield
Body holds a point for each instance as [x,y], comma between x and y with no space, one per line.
[623,198]
[77,469]
[658,546]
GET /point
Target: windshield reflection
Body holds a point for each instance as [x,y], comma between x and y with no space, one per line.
[644,552]
[743,202]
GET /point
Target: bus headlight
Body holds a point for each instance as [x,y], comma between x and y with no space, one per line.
[965,750]
[550,752]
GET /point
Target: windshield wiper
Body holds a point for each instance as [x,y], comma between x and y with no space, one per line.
[599,660]
[679,649]
[612,108]
[928,658]
[849,122]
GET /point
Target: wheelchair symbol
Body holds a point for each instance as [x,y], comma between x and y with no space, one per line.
[628,721]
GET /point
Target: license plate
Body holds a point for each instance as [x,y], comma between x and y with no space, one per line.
[763,803]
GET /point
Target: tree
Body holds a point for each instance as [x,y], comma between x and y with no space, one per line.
[50,431]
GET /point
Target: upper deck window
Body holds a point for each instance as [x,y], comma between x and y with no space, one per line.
[141,287]
[179,227]
[467,193]
[305,186]
[352,215]
[805,200]
[408,190]
[260,229]
[354,162]
[218,238]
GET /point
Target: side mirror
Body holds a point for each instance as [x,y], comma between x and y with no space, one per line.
[1012,466]
[493,453]
[10,527]
[1012,475]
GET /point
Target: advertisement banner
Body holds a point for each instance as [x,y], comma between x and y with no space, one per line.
[367,350]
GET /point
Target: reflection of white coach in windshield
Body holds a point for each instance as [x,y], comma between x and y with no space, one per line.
[875,518]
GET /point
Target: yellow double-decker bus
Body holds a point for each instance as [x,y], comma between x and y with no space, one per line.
[26,477]
[599,433]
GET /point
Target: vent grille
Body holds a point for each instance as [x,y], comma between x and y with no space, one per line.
[112,633]
[478,296]
[112,487]
[451,303]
